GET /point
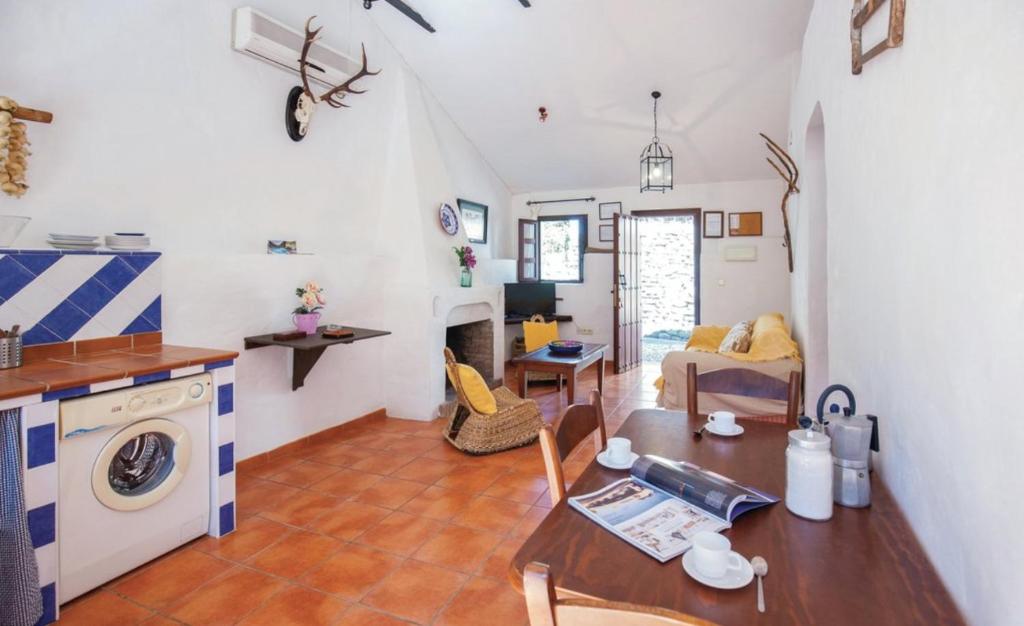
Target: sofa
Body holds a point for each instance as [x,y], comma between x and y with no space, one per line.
[751,384]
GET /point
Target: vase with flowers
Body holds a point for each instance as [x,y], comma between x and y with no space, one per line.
[467,261]
[306,316]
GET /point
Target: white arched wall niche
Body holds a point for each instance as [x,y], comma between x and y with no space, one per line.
[810,299]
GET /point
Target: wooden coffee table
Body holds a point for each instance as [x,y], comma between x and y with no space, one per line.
[543,360]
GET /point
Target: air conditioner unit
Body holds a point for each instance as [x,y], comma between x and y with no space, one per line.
[262,37]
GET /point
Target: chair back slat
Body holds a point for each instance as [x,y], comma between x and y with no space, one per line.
[743,382]
[561,438]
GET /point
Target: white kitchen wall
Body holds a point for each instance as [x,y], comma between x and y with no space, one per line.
[730,291]
[925,299]
[161,127]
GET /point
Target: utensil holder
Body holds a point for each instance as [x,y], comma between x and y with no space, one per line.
[10,352]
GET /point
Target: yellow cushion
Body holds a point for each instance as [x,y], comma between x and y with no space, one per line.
[539,334]
[479,396]
[767,322]
[706,338]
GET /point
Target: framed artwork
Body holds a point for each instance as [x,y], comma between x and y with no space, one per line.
[863,10]
[714,224]
[606,232]
[281,246]
[607,211]
[745,224]
[474,220]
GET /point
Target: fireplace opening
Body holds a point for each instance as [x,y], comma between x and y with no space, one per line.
[472,344]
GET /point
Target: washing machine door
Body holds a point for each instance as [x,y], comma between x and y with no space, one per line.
[141,464]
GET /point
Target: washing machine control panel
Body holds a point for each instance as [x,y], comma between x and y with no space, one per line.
[84,415]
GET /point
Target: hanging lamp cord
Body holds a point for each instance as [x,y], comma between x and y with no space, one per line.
[655,120]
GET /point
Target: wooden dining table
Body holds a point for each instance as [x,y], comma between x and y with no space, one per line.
[863,566]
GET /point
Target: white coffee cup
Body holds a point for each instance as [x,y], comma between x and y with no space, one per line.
[619,450]
[713,555]
[724,421]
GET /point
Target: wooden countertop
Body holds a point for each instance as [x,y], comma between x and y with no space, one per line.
[75,370]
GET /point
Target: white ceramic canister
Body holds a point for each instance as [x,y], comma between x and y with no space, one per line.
[809,474]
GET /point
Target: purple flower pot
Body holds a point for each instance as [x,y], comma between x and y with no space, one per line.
[306,322]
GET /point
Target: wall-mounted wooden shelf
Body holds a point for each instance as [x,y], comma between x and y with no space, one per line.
[307,350]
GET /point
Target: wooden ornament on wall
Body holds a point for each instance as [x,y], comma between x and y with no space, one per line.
[787,169]
[863,10]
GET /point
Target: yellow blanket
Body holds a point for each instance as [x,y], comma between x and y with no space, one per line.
[770,342]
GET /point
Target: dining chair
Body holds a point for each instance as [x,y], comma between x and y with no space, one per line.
[545,609]
[743,382]
[559,439]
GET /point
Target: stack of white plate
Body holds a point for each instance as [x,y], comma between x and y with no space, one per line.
[65,241]
[127,241]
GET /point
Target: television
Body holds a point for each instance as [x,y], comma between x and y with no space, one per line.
[526,299]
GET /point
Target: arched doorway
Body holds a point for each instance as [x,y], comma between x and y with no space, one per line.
[814,209]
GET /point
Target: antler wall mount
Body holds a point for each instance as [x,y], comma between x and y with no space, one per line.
[787,169]
[302,101]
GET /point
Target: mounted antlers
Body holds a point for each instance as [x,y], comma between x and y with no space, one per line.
[791,175]
[303,104]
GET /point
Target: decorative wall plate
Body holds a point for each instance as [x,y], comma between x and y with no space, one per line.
[449,219]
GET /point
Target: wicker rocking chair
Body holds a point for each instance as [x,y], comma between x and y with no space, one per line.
[515,424]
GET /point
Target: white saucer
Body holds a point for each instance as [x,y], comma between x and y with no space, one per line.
[602,458]
[734,578]
[713,428]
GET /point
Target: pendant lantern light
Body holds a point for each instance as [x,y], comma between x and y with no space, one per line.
[656,159]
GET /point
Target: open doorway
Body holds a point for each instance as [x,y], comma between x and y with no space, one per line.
[669,247]
[814,209]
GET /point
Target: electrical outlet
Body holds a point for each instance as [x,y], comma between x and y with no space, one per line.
[585,331]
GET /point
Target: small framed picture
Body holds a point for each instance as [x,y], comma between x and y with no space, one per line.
[281,246]
[714,224]
[607,211]
[474,220]
[606,232]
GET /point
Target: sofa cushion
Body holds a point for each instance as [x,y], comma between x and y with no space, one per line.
[706,338]
[737,339]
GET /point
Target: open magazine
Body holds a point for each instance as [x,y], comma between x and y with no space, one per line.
[663,504]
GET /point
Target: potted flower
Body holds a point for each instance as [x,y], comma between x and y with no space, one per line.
[467,261]
[306,316]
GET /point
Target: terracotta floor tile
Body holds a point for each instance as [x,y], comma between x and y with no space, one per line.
[425,470]
[100,608]
[301,508]
[470,478]
[226,599]
[447,452]
[297,606]
[529,523]
[340,454]
[362,616]
[346,483]
[294,554]
[374,441]
[458,547]
[251,536]
[157,620]
[171,577]
[303,474]
[497,564]
[400,533]
[390,493]
[352,571]
[273,466]
[491,514]
[261,495]
[518,487]
[413,446]
[348,520]
[495,599]
[415,591]
[438,503]
[383,463]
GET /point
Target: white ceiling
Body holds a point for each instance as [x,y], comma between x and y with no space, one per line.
[725,68]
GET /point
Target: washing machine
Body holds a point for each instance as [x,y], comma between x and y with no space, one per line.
[134,478]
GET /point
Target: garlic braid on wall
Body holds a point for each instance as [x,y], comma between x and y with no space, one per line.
[13,150]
